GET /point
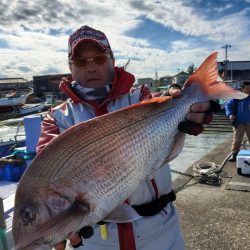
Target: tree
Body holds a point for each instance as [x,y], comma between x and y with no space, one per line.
[191,69]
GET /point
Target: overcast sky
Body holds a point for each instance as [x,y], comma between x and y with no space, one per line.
[167,35]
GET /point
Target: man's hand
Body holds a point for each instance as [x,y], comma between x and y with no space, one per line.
[200,113]
[175,91]
[76,238]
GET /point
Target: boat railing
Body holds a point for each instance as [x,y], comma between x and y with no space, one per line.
[18,134]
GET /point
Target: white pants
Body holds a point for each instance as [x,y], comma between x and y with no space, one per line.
[158,232]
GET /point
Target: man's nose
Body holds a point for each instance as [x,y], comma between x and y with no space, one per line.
[91,66]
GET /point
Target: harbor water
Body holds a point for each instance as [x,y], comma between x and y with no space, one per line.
[8,131]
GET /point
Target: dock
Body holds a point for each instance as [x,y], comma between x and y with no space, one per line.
[215,217]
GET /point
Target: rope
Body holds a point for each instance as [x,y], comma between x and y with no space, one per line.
[246,144]
[11,161]
[206,172]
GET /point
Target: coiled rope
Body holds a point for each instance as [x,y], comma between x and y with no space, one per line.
[206,172]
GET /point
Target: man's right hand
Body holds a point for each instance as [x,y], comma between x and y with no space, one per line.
[76,238]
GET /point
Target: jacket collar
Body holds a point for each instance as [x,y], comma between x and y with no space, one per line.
[121,84]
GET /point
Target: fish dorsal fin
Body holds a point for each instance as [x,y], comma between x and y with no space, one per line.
[206,77]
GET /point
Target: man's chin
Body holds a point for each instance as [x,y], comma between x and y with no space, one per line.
[94,83]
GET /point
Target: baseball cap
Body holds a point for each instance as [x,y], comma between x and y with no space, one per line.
[88,34]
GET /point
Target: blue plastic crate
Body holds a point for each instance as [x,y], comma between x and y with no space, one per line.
[13,172]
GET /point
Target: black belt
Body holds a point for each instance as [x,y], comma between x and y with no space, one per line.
[154,207]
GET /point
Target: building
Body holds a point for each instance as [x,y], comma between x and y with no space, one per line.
[236,70]
[149,82]
[180,78]
[7,84]
[166,80]
[48,85]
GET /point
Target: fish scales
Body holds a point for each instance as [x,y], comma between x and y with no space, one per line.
[121,169]
[119,159]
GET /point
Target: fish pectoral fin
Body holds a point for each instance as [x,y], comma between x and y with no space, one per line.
[178,144]
[122,214]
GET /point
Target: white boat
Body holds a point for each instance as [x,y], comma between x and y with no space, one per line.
[10,102]
[31,108]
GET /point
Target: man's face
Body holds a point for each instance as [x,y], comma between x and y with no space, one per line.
[246,89]
[92,75]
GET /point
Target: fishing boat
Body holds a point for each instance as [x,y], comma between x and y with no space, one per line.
[13,100]
[27,109]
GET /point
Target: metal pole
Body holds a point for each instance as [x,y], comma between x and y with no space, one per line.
[225,66]
[231,71]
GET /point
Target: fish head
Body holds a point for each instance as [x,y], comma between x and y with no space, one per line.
[38,214]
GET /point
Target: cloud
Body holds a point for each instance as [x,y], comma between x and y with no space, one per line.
[176,45]
[221,9]
[24,69]
[34,34]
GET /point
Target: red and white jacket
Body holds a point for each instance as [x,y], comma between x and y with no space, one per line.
[76,110]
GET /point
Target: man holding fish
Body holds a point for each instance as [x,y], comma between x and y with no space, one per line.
[97,87]
[110,175]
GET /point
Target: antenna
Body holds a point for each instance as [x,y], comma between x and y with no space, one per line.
[156,74]
[127,63]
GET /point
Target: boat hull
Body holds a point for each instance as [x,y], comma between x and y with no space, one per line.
[11,103]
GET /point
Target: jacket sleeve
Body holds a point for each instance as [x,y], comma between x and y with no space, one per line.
[49,131]
[229,107]
[145,94]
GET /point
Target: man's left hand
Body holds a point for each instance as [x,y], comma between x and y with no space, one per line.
[200,113]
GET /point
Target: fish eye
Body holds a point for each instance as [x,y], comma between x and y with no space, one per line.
[28,214]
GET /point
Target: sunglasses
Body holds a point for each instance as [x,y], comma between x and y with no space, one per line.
[82,62]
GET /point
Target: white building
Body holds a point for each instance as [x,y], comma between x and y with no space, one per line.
[149,82]
[180,78]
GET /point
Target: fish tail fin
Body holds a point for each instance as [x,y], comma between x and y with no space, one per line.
[207,78]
